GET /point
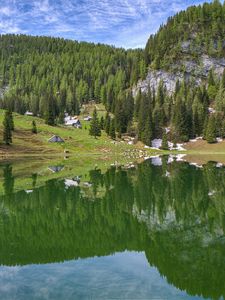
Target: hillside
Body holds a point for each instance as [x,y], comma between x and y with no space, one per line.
[43,73]
[184,90]
[174,89]
[77,142]
[187,47]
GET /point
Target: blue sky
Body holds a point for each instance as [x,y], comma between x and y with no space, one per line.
[126,23]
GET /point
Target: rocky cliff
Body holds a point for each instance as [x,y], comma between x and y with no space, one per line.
[187,69]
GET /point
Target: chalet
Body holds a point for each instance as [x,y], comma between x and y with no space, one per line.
[55,169]
[88,118]
[72,121]
[28,113]
[56,139]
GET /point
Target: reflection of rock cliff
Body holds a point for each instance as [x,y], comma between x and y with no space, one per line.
[188,69]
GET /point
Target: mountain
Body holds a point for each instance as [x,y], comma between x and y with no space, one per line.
[184,89]
[174,88]
[187,47]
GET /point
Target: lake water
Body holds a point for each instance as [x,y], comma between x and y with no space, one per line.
[155,231]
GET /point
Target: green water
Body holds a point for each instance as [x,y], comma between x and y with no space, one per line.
[152,232]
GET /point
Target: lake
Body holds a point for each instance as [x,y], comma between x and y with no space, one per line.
[151,231]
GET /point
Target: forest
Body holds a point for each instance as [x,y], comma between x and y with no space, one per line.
[51,76]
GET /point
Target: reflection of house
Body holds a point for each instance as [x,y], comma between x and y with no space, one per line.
[56,139]
[70,183]
[56,169]
[72,121]
[211,110]
[28,113]
[88,118]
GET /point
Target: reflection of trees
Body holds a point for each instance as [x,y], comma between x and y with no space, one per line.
[8,179]
[55,224]
[189,262]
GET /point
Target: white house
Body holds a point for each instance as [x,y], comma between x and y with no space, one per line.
[88,118]
[28,113]
[72,121]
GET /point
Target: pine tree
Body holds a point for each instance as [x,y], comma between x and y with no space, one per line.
[61,117]
[11,121]
[7,131]
[34,127]
[165,145]
[148,132]
[211,130]
[95,129]
[107,123]
[112,131]
[102,123]
[49,118]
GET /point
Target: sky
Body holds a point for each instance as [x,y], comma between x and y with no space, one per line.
[122,23]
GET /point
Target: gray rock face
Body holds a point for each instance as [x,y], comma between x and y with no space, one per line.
[197,72]
[154,78]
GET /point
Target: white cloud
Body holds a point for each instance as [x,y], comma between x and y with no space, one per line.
[125,23]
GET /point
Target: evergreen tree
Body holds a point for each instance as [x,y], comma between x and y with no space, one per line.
[102,122]
[7,131]
[61,117]
[112,131]
[95,129]
[107,123]
[148,132]
[211,130]
[11,121]
[34,127]
[165,145]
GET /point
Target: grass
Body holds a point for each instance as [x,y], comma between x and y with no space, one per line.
[83,147]
[77,141]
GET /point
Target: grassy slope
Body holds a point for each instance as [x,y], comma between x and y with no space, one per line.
[77,141]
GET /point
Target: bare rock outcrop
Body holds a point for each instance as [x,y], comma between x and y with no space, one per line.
[192,70]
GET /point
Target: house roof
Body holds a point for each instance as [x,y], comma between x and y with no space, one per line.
[72,122]
[56,139]
[56,169]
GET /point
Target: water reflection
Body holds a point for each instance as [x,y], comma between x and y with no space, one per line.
[174,213]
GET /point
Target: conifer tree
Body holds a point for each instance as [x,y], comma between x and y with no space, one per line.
[7,131]
[34,127]
[165,145]
[95,129]
[148,132]
[11,121]
[102,123]
[107,123]
[112,131]
[211,130]
[61,117]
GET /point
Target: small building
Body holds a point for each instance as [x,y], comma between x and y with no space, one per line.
[56,139]
[28,113]
[88,118]
[72,121]
[55,169]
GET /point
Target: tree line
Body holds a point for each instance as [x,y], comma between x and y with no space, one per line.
[51,75]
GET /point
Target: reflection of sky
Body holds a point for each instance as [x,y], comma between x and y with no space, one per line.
[121,276]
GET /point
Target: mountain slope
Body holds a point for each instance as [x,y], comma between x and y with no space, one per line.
[43,73]
[187,47]
[184,92]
